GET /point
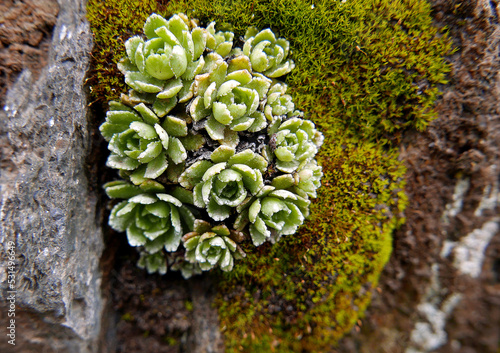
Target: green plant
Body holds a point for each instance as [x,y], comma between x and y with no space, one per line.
[191,141]
[209,246]
[267,54]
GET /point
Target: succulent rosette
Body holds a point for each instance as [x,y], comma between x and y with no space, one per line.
[267,54]
[211,246]
[211,148]
[229,95]
[153,262]
[219,42]
[224,182]
[138,142]
[154,221]
[166,62]
[296,142]
[272,213]
[308,179]
[278,103]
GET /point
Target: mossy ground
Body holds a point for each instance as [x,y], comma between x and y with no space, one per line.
[366,71]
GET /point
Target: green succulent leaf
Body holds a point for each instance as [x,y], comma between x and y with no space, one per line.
[194,174]
[176,151]
[119,162]
[192,141]
[156,167]
[268,54]
[211,246]
[200,40]
[170,89]
[183,195]
[175,126]
[167,36]
[143,82]
[163,106]
[131,47]
[153,263]
[147,114]
[238,63]
[284,181]
[152,23]
[215,129]
[194,68]
[121,190]
[259,232]
[249,158]
[222,154]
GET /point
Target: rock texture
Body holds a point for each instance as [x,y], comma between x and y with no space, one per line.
[441,289]
[48,208]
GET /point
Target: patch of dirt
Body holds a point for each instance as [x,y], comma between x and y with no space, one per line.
[463,143]
[25,36]
[153,314]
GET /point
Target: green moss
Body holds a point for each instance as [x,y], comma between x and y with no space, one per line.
[366,71]
[305,293]
[367,67]
[171,341]
[127,317]
[189,305]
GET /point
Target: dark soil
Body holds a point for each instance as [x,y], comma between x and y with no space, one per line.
[155,312]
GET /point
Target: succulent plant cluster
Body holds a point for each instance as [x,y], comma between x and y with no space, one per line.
[209,146]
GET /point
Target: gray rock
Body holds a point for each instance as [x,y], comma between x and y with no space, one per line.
[47,208]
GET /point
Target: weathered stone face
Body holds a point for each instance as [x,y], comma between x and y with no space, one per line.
[440,290]
[48,209]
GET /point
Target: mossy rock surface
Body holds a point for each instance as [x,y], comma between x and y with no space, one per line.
[366,71]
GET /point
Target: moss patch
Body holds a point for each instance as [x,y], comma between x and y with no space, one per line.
[112,23]
[368,67]
[303,294]
[366,71]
